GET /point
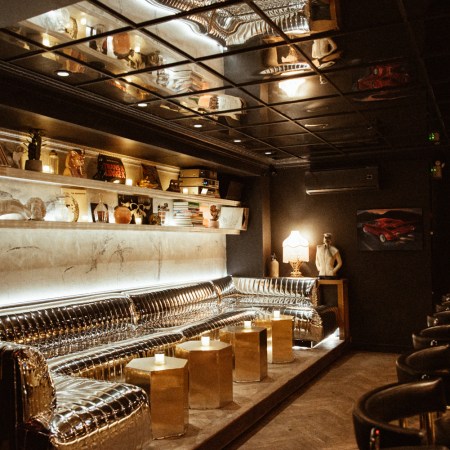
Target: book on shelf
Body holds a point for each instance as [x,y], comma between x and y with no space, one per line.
[198,173]
[198,181]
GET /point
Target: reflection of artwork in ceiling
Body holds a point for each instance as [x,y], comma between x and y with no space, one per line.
[236,24]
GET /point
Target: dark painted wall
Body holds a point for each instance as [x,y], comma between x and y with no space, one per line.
[390,292]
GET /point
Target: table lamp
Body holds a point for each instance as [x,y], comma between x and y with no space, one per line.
[295,252]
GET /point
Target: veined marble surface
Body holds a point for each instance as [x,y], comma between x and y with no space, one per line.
[40,263]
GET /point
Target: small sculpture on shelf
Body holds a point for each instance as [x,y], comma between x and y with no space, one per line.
[75,164]
[214,221]
[34,151]
[37,208]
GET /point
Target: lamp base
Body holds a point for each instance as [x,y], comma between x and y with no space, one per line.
[296,268]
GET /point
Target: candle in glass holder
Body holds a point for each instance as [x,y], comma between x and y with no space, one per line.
[205,341]
[129,182]
[138,220]
[276,314]
[160,359]
[247,323]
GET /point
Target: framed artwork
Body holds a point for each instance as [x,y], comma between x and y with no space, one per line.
[390,229]
[150,177]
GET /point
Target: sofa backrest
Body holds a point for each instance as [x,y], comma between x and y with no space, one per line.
[301,290]
[26,390]
[63,326]
[175,306]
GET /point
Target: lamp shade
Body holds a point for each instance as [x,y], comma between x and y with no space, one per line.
[295,247]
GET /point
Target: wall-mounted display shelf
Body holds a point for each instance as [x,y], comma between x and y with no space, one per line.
[26,176]
[64,181]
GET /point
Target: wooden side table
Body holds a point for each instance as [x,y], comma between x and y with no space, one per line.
[210,373]
[342,304]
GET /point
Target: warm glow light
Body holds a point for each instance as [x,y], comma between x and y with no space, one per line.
[295,251]
[276,314]
[46,41]
[83,21]
[142,105]
[47,169]
[129,182]
[137,48]
[197,125]
[63,73]
[160,359]
[185,190]
[247,324]
[138,220]
[205,341]
[290,87]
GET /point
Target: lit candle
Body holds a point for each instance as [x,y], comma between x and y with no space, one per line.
[205,341]
[160,359]
[185,191]
[276,314]
[138,220]
[247,323]
[129,182]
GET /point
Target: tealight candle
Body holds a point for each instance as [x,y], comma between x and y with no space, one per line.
[185,190]
[276,314]
[205,341]
[129,182]
[160,359]
[138,220]
[247,323]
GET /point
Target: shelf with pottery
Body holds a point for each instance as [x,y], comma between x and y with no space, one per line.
[72,182]
[45,179]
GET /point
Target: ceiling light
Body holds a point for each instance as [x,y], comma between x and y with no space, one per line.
[237,140]
[269,152]
[197,125]
[290,87]
[142,105]
[63,73]
[316,125]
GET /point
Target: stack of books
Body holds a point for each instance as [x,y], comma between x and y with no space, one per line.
[187,214]
[199,182]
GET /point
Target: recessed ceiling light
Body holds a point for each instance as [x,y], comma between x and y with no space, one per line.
[237,140]
[142,105]
[316,125]
[63,73]
[269,152]
[197,125]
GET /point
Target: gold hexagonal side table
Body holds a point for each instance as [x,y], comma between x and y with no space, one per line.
[250,351]
[167,386]
[210,373]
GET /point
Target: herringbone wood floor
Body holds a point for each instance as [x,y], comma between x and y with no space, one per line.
[319,416]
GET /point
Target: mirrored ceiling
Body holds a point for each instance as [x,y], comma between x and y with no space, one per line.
[286,82]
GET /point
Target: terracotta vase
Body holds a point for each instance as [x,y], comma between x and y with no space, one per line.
[122,214]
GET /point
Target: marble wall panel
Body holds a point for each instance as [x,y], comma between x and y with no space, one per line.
[40,263]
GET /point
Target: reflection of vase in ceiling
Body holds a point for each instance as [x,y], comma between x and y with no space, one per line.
[238,23]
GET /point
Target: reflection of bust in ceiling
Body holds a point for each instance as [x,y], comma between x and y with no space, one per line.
[236,24]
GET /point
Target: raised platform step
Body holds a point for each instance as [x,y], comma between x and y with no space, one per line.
[216,428]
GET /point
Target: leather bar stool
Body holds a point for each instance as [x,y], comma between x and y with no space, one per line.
[438,318]
[431,337]
[426,364]
[378,408]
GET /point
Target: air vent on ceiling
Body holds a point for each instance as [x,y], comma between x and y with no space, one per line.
[341,180]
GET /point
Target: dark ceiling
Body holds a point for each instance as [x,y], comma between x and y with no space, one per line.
[281,83]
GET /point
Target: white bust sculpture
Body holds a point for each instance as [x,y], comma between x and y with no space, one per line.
[328,258]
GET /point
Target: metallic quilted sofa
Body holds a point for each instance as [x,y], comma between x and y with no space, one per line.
[62,361]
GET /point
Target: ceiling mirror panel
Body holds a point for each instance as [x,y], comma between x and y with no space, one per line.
[80,21]
[59,67]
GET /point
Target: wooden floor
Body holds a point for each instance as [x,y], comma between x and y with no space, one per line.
[303,405]
[318,417]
